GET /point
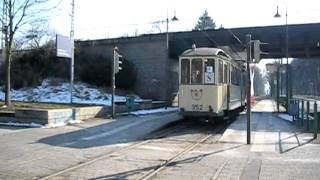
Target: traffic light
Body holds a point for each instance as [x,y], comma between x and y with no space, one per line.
[117,60]
[257,51]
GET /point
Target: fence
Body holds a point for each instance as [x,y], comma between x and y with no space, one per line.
[305,114]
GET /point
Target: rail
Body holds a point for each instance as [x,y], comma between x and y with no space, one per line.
[305,115]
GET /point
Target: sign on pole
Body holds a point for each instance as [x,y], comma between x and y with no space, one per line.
[63,46]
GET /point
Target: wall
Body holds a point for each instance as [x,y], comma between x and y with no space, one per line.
[150,59]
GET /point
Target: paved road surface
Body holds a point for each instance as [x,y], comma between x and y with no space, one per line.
[33,153]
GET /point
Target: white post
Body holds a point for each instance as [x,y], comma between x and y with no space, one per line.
[72,53]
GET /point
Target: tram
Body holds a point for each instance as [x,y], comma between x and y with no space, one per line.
[211,84]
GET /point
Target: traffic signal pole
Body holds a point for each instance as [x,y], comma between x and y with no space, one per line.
[116,67]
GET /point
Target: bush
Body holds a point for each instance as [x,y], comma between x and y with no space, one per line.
[32,67]
[96,70]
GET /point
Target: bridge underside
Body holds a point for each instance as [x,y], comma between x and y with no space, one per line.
[303,40]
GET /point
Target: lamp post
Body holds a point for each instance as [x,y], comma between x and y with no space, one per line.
[167,21]
[277,15]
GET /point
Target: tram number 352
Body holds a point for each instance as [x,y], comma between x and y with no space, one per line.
[196,107]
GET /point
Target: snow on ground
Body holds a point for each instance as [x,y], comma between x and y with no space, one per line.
[32,125]
[60,94]
[151,111]
[285,117]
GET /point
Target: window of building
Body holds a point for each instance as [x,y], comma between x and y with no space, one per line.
[185,71]
[196,71]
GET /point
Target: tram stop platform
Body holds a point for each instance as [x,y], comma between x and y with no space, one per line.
[278,149]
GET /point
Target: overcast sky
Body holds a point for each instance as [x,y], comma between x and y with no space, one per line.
[102,19]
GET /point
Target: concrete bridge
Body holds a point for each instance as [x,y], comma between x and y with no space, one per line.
[157,66]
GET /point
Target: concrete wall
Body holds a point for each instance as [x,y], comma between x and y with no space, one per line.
[149,56]
[63,116]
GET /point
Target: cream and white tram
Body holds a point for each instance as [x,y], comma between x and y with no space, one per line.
[211,84]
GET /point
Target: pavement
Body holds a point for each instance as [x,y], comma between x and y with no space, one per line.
[31,153]
[278,150]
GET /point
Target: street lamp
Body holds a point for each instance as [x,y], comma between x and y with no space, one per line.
[167,21]
[277,15]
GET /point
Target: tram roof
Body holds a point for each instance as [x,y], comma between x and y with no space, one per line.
[204,51]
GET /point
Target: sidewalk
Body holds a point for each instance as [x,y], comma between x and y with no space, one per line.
[277,151]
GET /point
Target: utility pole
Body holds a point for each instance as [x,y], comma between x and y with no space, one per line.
[248,41]
[287,63]
[113,84]
[72,53]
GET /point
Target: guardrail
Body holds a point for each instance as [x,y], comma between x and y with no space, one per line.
[305,114]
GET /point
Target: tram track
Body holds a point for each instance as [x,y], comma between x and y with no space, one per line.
[161,134]
[190,144]
[184,151]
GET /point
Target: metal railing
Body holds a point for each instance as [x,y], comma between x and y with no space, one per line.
[305,114]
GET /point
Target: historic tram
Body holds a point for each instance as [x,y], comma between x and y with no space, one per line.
[211,84]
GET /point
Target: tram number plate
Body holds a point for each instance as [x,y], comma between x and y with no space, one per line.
[196,107]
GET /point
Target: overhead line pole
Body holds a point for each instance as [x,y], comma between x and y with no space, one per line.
[72,53]
[248,41]
[287,64]
[113,83]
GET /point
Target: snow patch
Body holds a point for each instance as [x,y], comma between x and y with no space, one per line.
[59,93]
[151,111]
[285,117]
[32,125]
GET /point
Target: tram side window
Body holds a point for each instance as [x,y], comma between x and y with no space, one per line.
[238,76]
[226,74]
[209,74]
[233,76]
[185,71]
[220,72]
[196,71]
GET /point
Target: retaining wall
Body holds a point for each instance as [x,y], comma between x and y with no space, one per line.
[59,116]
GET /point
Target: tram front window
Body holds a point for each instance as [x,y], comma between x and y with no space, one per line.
[185,71]
[209,74]
[196,71]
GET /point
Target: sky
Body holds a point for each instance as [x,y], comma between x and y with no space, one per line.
[96,19]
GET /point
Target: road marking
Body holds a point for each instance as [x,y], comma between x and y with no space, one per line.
[156,148]
[114,131]
[124,127]
[216,175]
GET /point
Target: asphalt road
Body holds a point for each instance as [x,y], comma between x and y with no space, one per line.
[37,152]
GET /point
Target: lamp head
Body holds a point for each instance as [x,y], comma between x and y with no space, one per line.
[277,15]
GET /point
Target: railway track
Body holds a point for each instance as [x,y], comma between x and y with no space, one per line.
[162,133]
[192,144]
[187,149]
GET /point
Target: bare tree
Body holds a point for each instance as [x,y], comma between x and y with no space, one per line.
[38,35]
[17,15]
